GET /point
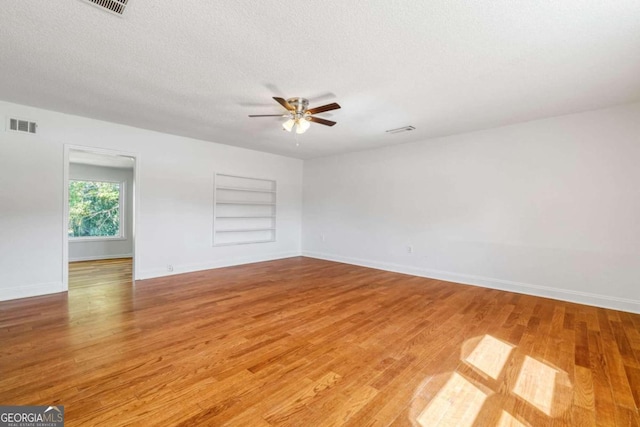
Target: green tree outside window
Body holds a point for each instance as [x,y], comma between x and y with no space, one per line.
[94,209]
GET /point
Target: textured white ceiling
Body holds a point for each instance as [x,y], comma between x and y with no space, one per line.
[198,68]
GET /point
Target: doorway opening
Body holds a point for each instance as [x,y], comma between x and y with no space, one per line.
[99,218]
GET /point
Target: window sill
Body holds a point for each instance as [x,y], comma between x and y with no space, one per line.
[95,239]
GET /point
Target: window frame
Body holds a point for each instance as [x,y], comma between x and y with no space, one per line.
[122,235]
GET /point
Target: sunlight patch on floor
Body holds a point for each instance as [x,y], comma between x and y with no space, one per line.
[508,420]
[489,356]
[536,384]
[461,398]
[456,404]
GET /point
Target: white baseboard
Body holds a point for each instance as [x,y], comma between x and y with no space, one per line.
[27,291]
[99,257]
[622,304]
[227,262]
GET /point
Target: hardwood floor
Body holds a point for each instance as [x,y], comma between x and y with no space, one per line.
[305,342]
[100,272]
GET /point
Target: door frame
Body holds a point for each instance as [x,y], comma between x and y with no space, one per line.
[65,205]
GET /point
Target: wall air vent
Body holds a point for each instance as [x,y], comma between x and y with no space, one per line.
[113,6]
[400,130]
[19,125]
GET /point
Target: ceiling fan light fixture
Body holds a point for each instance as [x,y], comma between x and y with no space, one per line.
[299,116]
[288,125]
[303,125]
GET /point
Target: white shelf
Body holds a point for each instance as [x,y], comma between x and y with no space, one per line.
[247,217]
[251,190]
[244,202]
[241,230]
[251,205]
[246,242]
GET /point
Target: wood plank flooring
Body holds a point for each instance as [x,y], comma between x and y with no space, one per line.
[100,272]
[305,342]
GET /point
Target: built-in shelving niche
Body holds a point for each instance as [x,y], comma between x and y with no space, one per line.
[244,210]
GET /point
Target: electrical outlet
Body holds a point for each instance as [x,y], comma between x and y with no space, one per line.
[169,267]
[410,249]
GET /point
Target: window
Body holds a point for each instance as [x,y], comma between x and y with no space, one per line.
[96,210]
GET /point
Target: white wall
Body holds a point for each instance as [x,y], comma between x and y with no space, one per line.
[82,250]
[549,207]
[174,215]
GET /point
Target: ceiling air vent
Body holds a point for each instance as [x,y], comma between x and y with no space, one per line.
[19,125]
[400,130]
[114,6]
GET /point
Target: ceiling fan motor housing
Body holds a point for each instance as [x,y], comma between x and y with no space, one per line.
[299,104]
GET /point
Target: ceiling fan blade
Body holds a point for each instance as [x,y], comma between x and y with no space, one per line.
[321,121]
[284,103]
[267,115]
[324,108]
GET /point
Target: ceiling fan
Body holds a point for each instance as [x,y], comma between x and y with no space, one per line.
[299,115]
